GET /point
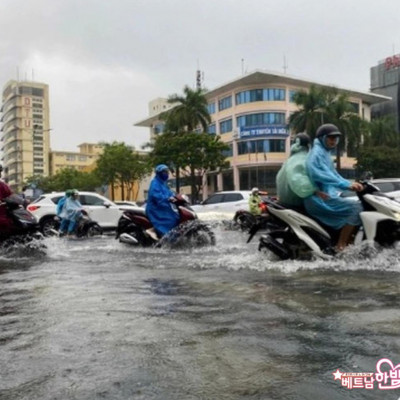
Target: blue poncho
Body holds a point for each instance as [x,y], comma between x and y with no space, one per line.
[337,211]
[73,209]
[162,214]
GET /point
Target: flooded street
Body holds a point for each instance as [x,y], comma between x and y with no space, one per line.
[97,319]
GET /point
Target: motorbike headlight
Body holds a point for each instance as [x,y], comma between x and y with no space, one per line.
[397,216]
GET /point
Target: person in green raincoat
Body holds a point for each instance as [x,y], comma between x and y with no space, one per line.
[292,182]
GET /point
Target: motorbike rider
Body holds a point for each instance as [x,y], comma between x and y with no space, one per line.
[61,212]
[254,202]
[292,181]
[6,223]
[159,208]
[337,212]
[73,210]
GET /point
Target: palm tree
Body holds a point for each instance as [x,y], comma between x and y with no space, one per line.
[190,112]
[311,112]
[326,105]
[383,132]
[188,115]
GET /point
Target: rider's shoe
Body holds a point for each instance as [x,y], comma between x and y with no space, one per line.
[152,233]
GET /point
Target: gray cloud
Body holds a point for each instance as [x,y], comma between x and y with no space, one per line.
[104,60]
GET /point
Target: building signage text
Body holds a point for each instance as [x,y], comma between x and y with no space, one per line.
[265,130]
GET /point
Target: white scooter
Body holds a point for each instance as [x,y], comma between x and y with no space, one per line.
[300,237]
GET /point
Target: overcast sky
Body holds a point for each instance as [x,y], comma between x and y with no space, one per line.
[104,60]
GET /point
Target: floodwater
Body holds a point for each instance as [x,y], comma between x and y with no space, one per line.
[96,319]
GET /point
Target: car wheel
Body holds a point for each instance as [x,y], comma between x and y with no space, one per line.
[49,226]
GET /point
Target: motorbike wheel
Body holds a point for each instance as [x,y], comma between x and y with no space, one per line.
[201,235]
[49,226]
[94,230]
[245,220]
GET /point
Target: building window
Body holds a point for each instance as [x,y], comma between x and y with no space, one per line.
[292,93]
[225,126]
[261,146]
[225,103]
[212,130]
[268,118]
[70,157]
[82,158]
[158,128]
[270,94]
[211,108]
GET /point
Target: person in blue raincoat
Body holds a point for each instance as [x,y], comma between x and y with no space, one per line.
[61,212]
[292,182]
[73,209]
[160,210]
[340,213]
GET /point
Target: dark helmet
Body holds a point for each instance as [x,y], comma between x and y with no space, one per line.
[327,130]
[302,139]
[1,168]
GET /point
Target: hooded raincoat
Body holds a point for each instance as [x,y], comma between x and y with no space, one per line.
[292,181]
[163,215]
[337,211]
[6,224]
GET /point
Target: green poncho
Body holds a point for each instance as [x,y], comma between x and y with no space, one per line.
[292,181]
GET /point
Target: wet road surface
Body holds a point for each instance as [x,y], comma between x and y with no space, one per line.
[97,319]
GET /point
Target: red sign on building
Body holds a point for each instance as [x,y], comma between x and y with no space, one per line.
[392,62]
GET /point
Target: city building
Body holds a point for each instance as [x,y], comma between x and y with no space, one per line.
[84,160]
[385,80]
[25,131]
[251,114]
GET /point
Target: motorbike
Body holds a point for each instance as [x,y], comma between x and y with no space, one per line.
[301,237]
[247,221]
[25,229]
[133,228]
[85,227]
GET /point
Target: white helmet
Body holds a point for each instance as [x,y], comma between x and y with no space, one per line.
[254,190]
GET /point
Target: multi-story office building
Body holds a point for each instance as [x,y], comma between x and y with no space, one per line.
[385,80]
[25,131]
[83,160]
[251,115]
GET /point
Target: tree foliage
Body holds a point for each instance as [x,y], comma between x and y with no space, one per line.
[66,178]
[327,105]
[382,161]
[119,166]
[194,153]
[183,150]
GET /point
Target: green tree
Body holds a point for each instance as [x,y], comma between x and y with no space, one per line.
[382,131]
[195,153]
[382,161]
[118,165]
[66,178]
[327,105]
[189,114]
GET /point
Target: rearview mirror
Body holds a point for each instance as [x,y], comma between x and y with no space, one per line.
[107,204]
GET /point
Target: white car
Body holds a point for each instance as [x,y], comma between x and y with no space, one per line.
[99,208]
[227,202]
[389,186]
[125,203]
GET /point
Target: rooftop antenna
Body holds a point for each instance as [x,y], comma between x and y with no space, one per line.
[285,64]
[198,76]
[33,75]
[17,73]
[242,66]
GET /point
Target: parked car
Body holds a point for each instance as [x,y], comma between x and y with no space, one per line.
[390,186]
[99,208]
[225,202]
[125,203]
